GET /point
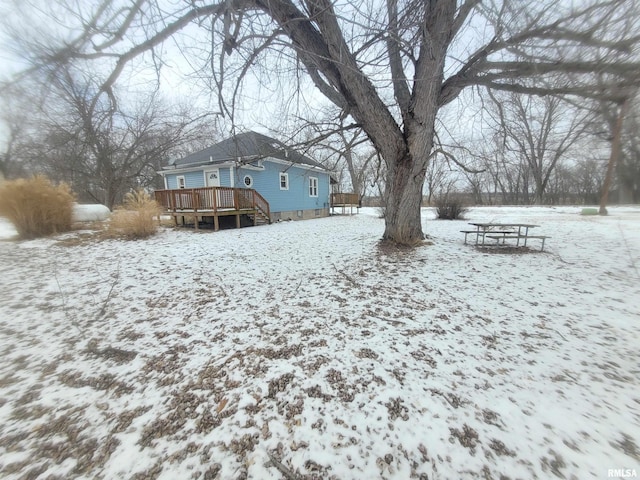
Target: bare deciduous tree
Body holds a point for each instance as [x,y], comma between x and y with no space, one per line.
[537,131]
[103,150]
[616,146]
[628,163]
[16,124]
[389,65]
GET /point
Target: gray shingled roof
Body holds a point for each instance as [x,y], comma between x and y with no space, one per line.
[247,146]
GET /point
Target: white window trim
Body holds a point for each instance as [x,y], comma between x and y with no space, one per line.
[313,187]
[184,181]
[286,177]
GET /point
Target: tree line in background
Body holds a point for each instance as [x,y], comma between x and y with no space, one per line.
[532,150]
[549,151]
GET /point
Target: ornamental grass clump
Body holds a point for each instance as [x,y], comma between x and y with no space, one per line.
[136,217]
[36,207]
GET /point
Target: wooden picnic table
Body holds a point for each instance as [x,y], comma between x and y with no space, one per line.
[500,232]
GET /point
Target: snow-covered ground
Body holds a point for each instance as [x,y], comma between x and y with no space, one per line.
[303,350]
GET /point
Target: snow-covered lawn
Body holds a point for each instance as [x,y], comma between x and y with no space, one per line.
[303,350]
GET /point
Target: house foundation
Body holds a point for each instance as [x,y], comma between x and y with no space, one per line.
[299,214]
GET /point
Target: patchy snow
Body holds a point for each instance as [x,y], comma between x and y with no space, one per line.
[7,230]
[303,350]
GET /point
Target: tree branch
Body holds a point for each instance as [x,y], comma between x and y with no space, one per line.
[400,87]
[463,13]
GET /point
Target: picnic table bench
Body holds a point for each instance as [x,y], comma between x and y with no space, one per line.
[501,232]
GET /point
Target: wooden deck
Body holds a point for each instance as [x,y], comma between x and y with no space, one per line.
[214,202]
[344,201]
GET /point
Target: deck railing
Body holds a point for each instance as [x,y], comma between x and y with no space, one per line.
[212,199]
[345,199]
[261,204]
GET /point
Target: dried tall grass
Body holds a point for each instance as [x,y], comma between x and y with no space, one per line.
[450,207]
[135,219]
[36,207]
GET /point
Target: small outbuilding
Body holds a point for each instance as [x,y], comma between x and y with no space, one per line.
[250,176]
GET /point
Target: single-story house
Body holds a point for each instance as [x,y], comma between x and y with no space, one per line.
[249,175]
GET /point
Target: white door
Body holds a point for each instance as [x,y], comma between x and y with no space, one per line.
[212,177]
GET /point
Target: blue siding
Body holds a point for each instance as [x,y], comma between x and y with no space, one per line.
[191,179]
[267,183]
[196,179]
[225,177]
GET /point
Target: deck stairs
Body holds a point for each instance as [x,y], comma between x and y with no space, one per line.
[261,217]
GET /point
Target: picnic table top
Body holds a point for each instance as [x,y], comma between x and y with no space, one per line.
[494,224]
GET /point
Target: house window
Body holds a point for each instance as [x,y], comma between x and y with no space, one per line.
[181,181]
[313,187]
[248,181]
[284,181]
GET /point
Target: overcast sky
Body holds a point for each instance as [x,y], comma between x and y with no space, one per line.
[268,102]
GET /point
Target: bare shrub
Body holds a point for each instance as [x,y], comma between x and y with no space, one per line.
[135,219]
[450,207]
[36,207]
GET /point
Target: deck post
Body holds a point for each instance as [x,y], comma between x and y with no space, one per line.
[216,223]
[238,220]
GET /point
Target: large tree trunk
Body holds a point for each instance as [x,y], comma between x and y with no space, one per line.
[405,181]
[407,171]
[403,224]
